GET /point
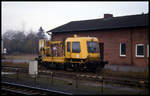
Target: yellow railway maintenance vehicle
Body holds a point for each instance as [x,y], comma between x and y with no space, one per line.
[77,53]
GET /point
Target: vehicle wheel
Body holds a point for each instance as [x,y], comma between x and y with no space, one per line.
[65,67]
[57,66]
[76,67]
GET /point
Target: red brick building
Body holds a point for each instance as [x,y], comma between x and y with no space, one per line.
[125,38]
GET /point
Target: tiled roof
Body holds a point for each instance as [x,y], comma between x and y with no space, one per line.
[104,23]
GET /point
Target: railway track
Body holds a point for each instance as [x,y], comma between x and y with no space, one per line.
[107,79]
[12,88]
[91,76]
[23,69]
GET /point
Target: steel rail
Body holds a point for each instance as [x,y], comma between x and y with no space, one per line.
[36,90]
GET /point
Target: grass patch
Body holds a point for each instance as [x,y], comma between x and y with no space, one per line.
[12,64]
[130,74]
[21,56]
[107,91]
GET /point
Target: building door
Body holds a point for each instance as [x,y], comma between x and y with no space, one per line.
[101,45]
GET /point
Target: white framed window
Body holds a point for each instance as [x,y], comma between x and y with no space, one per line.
[148,50]
[122,49]
[139,50]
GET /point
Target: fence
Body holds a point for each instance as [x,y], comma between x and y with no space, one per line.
[49,79]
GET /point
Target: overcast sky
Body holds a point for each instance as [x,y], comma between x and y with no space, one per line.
[31,15]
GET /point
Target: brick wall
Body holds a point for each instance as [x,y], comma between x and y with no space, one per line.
[140,36]
[112,40]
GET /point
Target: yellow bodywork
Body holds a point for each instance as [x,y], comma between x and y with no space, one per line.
[47,50]
[54,59]
[83,45]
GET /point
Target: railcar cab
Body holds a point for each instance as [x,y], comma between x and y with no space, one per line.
[81,49]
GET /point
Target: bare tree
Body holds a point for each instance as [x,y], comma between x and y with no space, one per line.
[41,33]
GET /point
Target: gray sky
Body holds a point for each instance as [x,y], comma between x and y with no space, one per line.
[32,15]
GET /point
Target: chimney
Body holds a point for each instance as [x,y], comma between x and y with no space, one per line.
[108,15]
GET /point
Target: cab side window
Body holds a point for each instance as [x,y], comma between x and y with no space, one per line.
[68,46]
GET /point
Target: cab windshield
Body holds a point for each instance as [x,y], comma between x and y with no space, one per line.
[76,47]
[92,47]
